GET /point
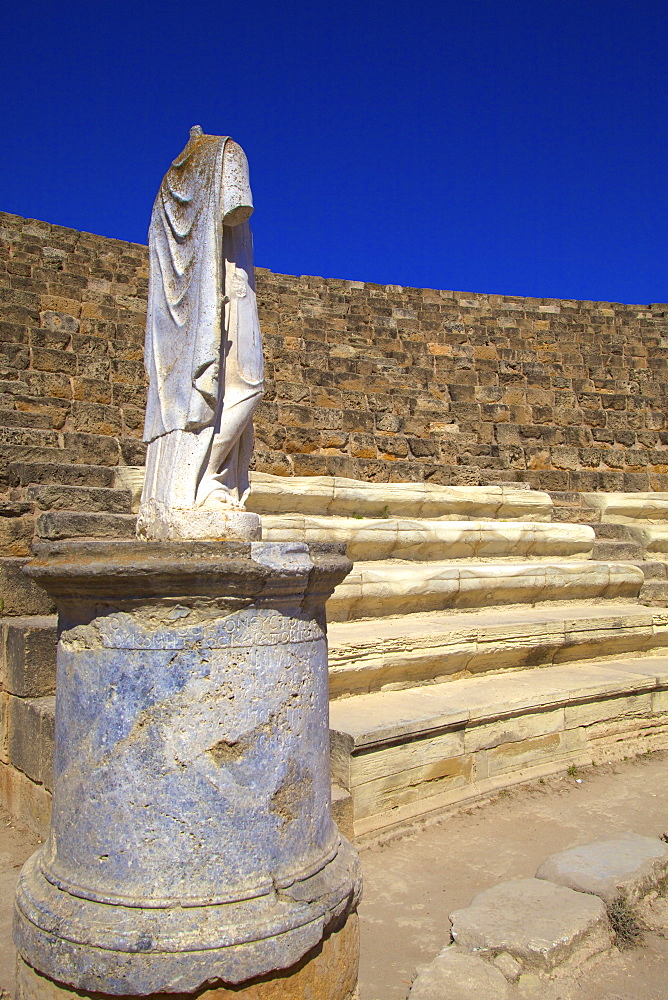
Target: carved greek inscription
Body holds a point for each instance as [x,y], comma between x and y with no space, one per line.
[251,627]
[260,627]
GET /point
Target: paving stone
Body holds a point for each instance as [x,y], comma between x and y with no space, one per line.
[538,923]
[457,976]
[626,864]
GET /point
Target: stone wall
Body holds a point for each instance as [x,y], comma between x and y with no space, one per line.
[367,381]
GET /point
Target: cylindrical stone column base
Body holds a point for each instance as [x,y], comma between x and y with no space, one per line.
[327,972]
[192,839]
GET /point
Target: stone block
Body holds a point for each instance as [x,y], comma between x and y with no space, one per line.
[519,733]
[30,737]
[56,525]
[23,798]
[626,864]
[414,784]
[536,922]
[552,747]
[454,975]
[18,594]
[637,703]
[91,499]
[29,656]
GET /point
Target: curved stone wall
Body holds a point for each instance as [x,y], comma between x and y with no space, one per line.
[371,382]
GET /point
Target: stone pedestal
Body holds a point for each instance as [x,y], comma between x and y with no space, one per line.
[192,845]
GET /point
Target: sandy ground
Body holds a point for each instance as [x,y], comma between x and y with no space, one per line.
[413,882]
[415,879]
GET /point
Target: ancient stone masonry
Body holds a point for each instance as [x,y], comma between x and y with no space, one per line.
[378,383]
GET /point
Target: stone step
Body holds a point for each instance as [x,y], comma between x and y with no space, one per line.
[26,473]
[628,508]
[610,550]
[397,587]
[92,499]
[404,753]
[655,592]
[24,454]
[539,924]
[652,569]
[57,525]
[410,650]
[349,498]
[333,495]
[653,538]
[424,539]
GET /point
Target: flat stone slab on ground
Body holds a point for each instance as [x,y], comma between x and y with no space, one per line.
[457,976]
[537,922]
[624,865]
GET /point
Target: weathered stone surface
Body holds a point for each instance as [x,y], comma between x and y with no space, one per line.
[30,728]
[454,975]
[318,495]
[192,836]
[29,656]
[395,587]
[29,802]
[85,476]
[59,524]
[537,922]
[202,308]
[629,508]
[626,864]
[327,972]
[424,539]
[160,523]
[402,651]
[91,499]
[18,594]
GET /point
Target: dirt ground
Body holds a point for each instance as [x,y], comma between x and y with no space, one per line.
[413,882]
[415,879]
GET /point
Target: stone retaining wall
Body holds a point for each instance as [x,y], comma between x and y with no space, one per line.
[372,382]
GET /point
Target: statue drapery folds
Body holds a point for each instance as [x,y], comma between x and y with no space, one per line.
[203,348]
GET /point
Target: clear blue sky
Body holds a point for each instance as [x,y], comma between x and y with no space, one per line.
[513,146]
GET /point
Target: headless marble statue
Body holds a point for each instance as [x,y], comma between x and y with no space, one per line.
[203,350]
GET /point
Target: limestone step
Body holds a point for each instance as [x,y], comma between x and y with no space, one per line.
[404,753]
[375,589]
[349,497]
[57,525]
[424,539]
[653,538]
[410,650]
[93,499]
[629,508]
[67,474]
[652,569]
[333,495]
